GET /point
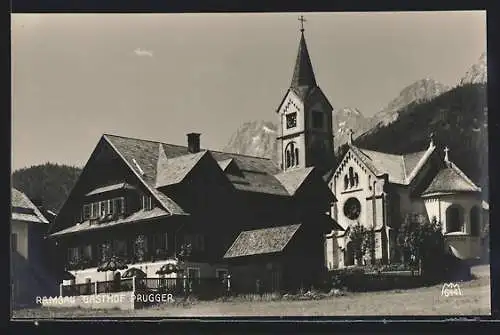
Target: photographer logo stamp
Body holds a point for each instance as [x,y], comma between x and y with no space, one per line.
[451,290]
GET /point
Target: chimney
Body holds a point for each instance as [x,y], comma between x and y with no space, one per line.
[193,142]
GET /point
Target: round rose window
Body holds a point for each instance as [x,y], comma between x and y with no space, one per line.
[352,208]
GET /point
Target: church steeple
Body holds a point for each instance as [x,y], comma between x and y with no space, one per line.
[306,134]
[303,73]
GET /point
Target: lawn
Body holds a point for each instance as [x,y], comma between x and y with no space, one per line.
[475,300]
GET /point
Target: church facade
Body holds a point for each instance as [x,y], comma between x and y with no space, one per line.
[379,190]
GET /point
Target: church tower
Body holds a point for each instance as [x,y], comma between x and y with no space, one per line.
[305,118]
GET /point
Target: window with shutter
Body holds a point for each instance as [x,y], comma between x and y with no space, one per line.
[86,212]
[94,210]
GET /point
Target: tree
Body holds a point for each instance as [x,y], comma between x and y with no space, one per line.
[421,240]
[362,240]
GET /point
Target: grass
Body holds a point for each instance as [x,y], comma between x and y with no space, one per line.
[475,300]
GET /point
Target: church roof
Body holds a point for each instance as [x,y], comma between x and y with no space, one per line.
[262,241]
[400,168]
[303,74]
[450,180]
[23,209]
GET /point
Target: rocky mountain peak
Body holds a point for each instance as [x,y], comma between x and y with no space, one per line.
[477,73]
[420,91]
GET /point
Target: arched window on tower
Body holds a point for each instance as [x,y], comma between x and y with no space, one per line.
[474,221]
[454,219]
[292,155]
[351,177]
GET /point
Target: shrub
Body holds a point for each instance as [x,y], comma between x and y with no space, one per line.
[346,278]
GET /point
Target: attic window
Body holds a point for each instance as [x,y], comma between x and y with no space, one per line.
[147,203]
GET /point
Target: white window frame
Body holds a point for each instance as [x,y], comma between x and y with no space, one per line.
[147,202]
[87,207]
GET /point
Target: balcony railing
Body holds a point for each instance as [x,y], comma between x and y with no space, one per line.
[203,288]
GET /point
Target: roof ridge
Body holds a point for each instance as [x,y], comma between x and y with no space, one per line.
[381,152]
[150,188]
[184,146]
[404,168]
[426,155]
[457,170]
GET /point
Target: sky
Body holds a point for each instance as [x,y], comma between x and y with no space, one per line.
[161,76]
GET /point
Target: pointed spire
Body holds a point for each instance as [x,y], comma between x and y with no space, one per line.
[303,74]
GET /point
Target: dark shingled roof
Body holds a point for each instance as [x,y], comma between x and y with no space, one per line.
[303,74]
[145,154]
[173,170]
[262,241]
[24,210]
[450,180]
[257,174]
[293,179]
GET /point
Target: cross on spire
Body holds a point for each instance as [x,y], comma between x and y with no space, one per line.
[302,20]
[446,157]
[350,133]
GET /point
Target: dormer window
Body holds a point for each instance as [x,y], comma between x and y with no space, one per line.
[317,119]
[291,120]
[147,204]
[105,208]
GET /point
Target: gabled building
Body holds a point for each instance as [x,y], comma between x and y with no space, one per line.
[378,190]
[31,274]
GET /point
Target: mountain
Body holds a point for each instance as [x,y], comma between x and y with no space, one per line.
[420,91]
[348,118]
[258,138]
[458,119]
[255,138]
[477,73]
[48,184]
